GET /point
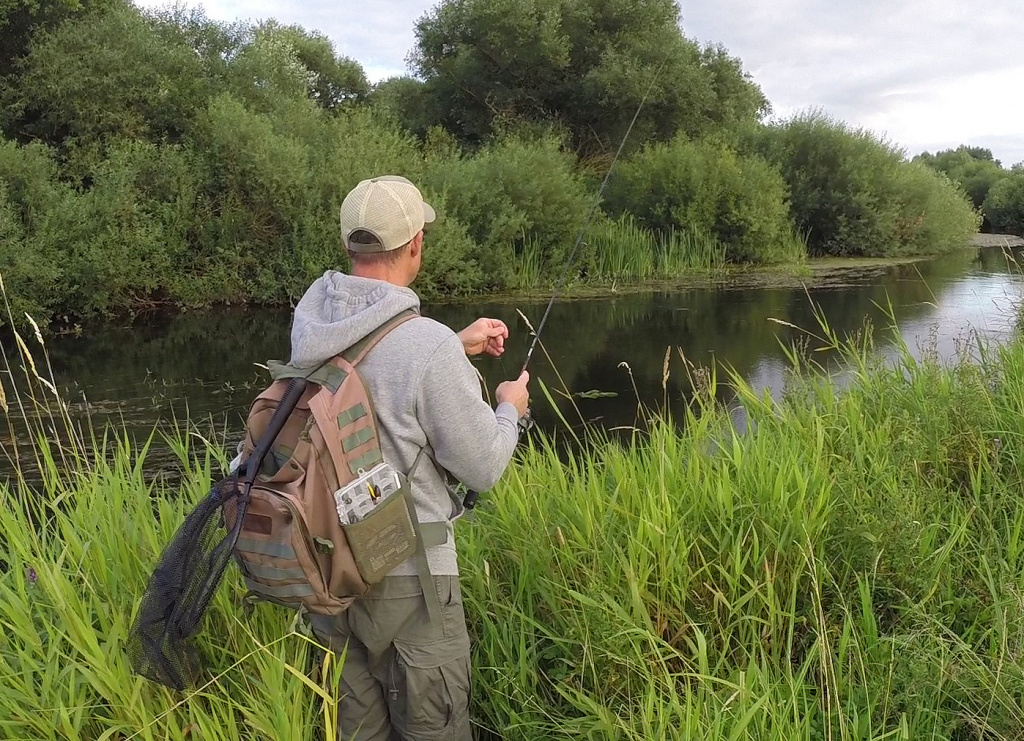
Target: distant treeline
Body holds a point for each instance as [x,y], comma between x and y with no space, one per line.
[163,158]
[995,191]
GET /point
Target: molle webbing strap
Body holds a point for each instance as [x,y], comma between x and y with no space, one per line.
[320,403]
[266,548]
[318,407]
[284,591]
[364,462]
[351,414]
[357,438]
[275,572]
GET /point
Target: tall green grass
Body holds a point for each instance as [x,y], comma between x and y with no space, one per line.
[622,250]
[852,567]
[83,521]
[626,251]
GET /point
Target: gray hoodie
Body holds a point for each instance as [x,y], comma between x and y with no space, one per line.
[425,391]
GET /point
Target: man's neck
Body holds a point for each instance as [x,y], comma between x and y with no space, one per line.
[378,272]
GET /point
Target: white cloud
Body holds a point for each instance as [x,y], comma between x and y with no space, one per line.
[927,74]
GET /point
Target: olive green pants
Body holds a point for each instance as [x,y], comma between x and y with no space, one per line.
[403,677]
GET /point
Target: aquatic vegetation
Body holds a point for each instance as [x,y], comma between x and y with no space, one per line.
[623,251]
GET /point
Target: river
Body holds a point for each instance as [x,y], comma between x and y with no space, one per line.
[202,366]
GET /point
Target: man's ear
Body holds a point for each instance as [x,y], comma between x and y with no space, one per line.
[417,245]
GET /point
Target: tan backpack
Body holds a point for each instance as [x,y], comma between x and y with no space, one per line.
[293,547]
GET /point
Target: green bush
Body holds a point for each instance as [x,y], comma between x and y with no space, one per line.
[706,188]
[276,186]
[972,167]
[262,187]
[106,77]
[405,101]
[33,212]
[452,261]
[133,226]
[846,189]
[181,160]
[931,217]
[122,243]
[513,192]
[1005,203]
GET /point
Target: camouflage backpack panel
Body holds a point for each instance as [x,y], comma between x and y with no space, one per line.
[293,549]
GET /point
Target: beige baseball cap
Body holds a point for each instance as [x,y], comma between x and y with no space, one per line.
[389,207]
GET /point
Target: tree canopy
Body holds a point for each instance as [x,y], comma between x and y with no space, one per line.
[1005,202]
[585,64]
[973,167]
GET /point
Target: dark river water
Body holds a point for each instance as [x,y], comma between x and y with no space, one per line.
[201,367]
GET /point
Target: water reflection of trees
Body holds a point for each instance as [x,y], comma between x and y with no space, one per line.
[999,261]
[588,340]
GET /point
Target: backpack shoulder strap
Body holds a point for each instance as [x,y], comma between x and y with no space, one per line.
[354,354]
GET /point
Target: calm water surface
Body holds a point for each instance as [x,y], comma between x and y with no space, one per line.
[202,366]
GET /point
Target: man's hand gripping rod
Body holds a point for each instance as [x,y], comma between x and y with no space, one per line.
[526,421]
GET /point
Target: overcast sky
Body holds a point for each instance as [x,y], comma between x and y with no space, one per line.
[926,74]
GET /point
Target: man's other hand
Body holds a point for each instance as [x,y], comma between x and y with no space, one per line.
[515,393]
[484,335]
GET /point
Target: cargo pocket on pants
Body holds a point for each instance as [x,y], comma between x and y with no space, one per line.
[433,702]
[453,614]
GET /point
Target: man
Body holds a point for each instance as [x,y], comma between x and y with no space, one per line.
[406,676]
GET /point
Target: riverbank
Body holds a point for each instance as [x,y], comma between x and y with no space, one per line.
[849,569]
[823,271]
[811,272]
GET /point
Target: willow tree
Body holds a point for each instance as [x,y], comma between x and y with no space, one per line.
[1005,202]
[582,64]
[973,167]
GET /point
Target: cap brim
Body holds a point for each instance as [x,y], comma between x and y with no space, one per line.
[428,213]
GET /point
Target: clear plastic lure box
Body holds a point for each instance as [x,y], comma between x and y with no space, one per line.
[359,498]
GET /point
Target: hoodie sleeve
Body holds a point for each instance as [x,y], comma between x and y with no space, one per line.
[470,440]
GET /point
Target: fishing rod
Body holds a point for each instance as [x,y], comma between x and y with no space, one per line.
[586,223]
[471,496]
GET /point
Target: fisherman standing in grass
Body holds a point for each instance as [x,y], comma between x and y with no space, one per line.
[404,673]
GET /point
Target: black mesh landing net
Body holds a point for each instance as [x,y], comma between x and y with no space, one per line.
[190,569]
[179,592]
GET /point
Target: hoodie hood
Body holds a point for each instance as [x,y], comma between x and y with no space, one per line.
[338,310]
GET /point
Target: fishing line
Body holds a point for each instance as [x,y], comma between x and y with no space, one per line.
[471,496]
[586,223]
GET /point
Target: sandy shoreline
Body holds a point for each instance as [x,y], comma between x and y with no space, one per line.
[997,240]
